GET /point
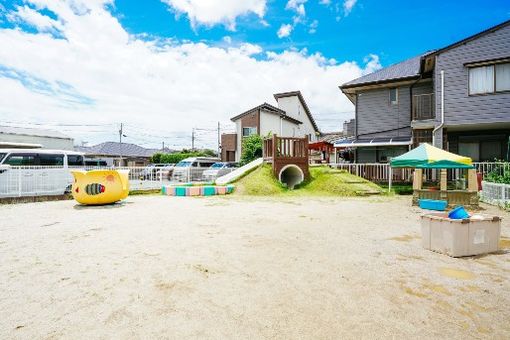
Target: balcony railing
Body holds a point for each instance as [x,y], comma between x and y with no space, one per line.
[423,106]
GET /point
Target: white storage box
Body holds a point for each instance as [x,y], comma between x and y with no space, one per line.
[473,236]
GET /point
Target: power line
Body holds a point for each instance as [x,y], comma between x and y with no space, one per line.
[58,124]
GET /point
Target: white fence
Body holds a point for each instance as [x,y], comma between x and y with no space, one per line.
[47,181]
[495,193]
[42,181]
[33,181]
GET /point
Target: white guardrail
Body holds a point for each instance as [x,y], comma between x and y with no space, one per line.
[26,181]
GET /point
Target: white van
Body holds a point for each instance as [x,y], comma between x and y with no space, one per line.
[191,169]
[37,172]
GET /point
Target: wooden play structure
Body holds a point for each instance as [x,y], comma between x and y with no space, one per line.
[468,197]
[429,158]
[289,158]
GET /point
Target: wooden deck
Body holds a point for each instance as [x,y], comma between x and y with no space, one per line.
[282,151]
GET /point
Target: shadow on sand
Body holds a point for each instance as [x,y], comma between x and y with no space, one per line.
[115,205]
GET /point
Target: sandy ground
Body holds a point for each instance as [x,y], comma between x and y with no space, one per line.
[226,267]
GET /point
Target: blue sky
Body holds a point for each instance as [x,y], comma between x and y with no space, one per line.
[163,67]
[394,30]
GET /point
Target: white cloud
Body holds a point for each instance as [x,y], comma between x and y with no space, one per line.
[34,18]
[212,12]
[313,27]
[348,6]
[325,2]
[372,63]
[298,7]
[284,30]
[100,74]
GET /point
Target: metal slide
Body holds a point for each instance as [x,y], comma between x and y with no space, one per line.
[239,172]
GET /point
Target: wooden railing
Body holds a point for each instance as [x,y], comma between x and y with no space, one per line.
[423,106]
[285,147]
[267,151]
[284,151]
[380,172]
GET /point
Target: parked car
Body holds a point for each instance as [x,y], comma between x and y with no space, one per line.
[151,171]
[166,171]
[191,169]
[218,169]
[32,172]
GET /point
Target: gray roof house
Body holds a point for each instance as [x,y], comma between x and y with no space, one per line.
[17,137]
[132,154]
[456,97]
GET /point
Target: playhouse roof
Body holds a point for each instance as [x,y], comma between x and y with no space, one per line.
[427,156]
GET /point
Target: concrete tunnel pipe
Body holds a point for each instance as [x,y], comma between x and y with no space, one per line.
[291,175]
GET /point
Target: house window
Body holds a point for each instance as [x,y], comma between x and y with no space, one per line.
[489,79]
[248,131]
[481,79]
[470,149]
[422,136]
[503,77]
[394,96]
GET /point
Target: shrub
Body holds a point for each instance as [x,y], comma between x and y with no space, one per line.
[156,158]
[252,149]
[179,156]
[500,174]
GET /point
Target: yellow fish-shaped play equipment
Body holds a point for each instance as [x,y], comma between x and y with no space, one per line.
[96,187]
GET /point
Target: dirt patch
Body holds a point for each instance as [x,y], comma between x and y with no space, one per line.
[457,273]
[160,266]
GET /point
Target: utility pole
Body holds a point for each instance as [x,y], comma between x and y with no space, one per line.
[193,139]
[120,145]
[219,142]
[163,146]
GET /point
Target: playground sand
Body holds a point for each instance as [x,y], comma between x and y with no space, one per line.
[224,267]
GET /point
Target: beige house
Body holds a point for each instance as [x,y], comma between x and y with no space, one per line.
[290,118]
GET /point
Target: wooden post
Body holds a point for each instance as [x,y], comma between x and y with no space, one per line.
[472,180]
[444,183]
[275,139]
[306,150]
[418,179]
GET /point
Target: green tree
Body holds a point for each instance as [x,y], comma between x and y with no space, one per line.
[209,153]
[156,158]
[252,149]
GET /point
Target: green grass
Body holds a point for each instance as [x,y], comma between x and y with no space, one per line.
[399,189]
[259,182]
[323,181]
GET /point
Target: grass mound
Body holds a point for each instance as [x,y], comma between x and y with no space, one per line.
[326,181]
[323,181]
[259,182]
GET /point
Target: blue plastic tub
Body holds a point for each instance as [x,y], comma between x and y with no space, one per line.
[458,213]
[429,204]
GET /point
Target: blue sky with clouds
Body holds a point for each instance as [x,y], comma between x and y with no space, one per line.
[344,30]
[165,66]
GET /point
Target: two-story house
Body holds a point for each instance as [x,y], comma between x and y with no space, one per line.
[456,97]
[291,118]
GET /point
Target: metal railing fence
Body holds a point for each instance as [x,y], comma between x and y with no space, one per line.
[26,181]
